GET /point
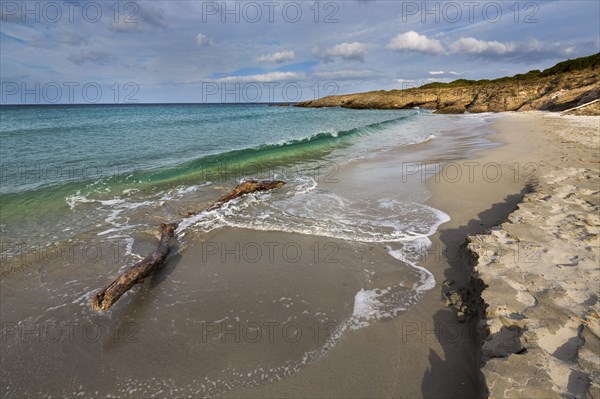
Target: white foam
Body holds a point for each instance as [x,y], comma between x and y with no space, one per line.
[365,304]
[77,198]
[114,201]
[412,253]
[301,208]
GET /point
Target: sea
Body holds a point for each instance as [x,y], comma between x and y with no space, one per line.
[84,189]
[88,170]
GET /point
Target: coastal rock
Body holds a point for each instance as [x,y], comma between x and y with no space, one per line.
[555,90]
[503,382]
[466,300]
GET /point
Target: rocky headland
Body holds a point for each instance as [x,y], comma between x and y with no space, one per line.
[564,86]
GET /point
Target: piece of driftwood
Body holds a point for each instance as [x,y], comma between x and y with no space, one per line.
[246,187]
[136,274]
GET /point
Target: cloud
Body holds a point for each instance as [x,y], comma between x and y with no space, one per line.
[139,16]
[263,77]
[278,57]
[470,45]
[346,74]
[203,40]
[443,73]
[412,41]
[348,51]
[531,50]
[93,57]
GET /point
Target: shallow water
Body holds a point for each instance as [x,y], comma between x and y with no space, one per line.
[336,249]
[67,170]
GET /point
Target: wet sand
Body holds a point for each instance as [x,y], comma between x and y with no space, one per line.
[426,352]
[246,313]
[234,310]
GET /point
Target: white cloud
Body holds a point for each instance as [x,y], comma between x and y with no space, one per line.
[264,77]
[278,57]
[443,73]
[349,51]
[412,41]
[412,83]
[203,40]
[345,74]
[525,51]
[470,45]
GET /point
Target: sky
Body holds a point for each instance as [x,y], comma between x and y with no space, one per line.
[261,51]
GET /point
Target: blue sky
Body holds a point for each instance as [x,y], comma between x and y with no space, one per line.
[238,51]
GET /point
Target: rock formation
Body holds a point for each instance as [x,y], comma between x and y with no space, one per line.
[556,89]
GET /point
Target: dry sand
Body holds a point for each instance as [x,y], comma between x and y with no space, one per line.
[541,267]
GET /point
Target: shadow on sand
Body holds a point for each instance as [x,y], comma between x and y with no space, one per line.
[456,338]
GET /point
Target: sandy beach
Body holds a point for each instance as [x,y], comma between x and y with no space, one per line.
[541,269]
[312,199]
[249,313]
[427,352]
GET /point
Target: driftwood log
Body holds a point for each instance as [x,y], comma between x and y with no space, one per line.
[246,187]
[136,274]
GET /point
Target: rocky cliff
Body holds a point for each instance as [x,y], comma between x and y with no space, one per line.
[555,89]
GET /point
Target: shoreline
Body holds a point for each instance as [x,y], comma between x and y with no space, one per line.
[540,267]
[431,349]
[430,341]
[523,324]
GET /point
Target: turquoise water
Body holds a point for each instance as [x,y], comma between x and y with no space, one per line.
[84,189]
[51,146]
[71,169]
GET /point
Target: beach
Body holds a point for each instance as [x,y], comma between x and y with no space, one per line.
[326,199]
[366,288]
[541,269]
[426,352]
